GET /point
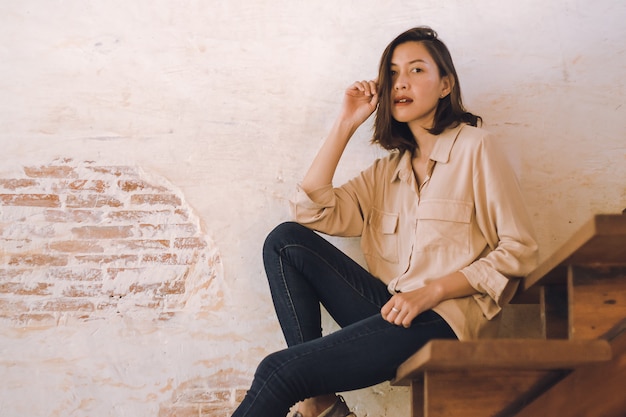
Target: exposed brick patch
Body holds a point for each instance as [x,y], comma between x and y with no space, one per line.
[215,396]
[156,199]
[90,201]
[13,184]
[88,240]
[35,200]
[51,171]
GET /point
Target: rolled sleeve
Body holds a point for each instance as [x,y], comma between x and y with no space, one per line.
[494,289]
[334,211]
[308,207]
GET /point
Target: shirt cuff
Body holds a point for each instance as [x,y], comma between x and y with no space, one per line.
[495,290]
[306,206]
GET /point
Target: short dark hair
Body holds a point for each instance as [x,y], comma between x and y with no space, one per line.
[391,134]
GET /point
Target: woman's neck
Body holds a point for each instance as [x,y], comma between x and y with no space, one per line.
[424,139]
[425,144]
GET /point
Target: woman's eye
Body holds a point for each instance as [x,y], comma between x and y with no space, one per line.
[416,70]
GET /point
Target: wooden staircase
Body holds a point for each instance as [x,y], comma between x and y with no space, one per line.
[577,370]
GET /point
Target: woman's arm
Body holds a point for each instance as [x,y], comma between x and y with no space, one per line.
[360,101]
[402,308]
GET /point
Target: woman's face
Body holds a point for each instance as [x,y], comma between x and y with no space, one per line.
[416,86]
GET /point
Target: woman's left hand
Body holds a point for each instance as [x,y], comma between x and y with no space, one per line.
[402,308]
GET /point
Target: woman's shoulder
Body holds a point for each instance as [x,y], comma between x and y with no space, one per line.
[474,133]
[388,166]
[477,142]
[391,161]
[475,138]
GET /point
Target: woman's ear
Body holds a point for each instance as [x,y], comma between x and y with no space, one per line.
[447,83]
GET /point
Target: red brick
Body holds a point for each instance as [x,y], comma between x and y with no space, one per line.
[166,316]
[172,287]
[20,288]
[141,244]
[103,232]
[92,201]
[82,292]
[64,304]
[50,171]
[138,185]
[153,304]
[37,260]
[36,319]
[14,184]
[14,245]
[216,410]
[117,171]
[97,186]
[114,272]
[180,229]
[156,199]
[10,307]
[159,289]
[106,259]
[30,200]
[179,411]
[161,258]
[75,274]
[108,305]
[240,394]
[190,243]
[14,273]
[72,216]
[76,246]
[169,259]
[137,215]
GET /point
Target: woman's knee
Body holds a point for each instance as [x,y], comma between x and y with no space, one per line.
[277,371]
[282,233]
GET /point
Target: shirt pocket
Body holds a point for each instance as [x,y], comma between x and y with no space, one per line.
[380,237]
[444,225]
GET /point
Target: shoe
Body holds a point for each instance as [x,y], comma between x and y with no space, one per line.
[339,409]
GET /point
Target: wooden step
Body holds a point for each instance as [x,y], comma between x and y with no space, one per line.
[490,377]
[510,354]
[581,287]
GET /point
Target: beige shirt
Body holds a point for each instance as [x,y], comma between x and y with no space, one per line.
[468,216]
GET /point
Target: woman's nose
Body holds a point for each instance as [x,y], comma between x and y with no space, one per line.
[400,84]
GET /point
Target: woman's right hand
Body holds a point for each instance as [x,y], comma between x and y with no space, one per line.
[360,101]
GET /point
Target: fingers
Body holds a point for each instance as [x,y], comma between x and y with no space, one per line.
[368,88]
[396,313]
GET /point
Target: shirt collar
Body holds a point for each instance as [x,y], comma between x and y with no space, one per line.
[440,154]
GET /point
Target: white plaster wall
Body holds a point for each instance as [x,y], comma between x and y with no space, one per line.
[230,100]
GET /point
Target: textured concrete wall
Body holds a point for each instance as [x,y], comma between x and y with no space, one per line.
[149,146]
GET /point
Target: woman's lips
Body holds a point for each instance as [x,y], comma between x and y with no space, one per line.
[402,100]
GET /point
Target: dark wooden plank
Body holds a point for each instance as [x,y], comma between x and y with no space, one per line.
[597,297]
[417,398]
[508,354]
[600,241]
[590,391]
[554,311]
[477,393]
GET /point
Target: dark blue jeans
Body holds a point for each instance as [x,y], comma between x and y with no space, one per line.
[305,270]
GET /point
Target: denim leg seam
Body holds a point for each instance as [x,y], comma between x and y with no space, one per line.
[288,292]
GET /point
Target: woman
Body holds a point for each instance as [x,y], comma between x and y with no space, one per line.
[443,229]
